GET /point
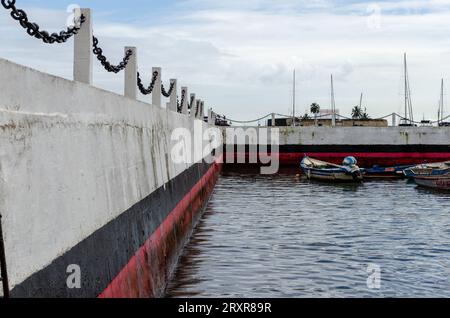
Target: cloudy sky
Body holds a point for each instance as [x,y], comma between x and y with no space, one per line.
[239,55]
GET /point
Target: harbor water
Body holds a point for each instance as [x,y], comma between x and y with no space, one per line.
[283,236]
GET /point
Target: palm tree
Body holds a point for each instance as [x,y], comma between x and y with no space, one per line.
[315,109]
[356,112]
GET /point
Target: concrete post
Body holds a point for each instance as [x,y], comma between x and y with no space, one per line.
[156,94]
[193,106]
[184,109]
[210,116]
[273,119]
[83,61]
[394,120]
[174,96]
[130,89]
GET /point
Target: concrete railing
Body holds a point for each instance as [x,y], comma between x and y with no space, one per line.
[72,158]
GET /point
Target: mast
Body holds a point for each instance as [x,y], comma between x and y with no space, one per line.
[441,103]
[333,104]
[406,89]
[293,102]
[360,101]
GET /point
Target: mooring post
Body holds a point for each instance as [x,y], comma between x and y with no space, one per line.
[156,94]
[193,103]
[173,96]
[184,106]
[130,89]
[394,119]
[273,120]
[83,61]
[210,114]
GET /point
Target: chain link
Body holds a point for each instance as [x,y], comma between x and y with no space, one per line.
[107,65]
[183,98]
[149,90]
[191,103]
[197,108]
[163,90]
[33,28]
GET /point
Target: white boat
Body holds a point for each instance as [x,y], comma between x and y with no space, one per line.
[325,171]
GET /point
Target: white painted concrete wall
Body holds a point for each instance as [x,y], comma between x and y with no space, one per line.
[358,135]
[72,158]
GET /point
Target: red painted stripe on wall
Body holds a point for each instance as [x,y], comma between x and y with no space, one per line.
[364,158]
[148,271]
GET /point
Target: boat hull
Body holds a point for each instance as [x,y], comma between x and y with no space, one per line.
[323,171]
[440,183]
[312,174]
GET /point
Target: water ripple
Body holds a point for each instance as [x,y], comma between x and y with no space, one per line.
[280,236]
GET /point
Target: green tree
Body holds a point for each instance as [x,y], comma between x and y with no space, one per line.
[315,109]
[357,112]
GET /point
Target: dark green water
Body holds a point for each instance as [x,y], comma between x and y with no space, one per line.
[280,236]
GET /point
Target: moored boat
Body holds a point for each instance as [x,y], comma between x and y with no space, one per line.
[435,182]
[386,172]
[428,169]
[325,171]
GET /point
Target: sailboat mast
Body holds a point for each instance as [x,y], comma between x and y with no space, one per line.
[333,104]
[441,105]
[293,102]
[406,89]
[360,101]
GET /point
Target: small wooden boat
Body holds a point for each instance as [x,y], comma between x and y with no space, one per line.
[385,172]
[325,171]
[436,182]
[428,169]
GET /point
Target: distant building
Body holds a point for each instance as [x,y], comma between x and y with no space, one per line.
[327,114]
[324,122]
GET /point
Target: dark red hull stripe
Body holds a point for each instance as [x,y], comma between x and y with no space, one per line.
[103,255]
[354,148]
[149,270]
[366,160]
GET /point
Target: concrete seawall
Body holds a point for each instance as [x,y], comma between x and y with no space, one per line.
[370,145]
[86,179]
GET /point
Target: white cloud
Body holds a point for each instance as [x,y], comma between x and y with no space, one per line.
[239,56]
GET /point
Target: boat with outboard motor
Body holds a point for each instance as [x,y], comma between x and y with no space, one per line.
[325,171]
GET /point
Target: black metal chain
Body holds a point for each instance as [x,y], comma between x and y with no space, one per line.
[192,102]
[183,98]
[107,65]
[149,90]
[163,90]
[197,108]
[33,29]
